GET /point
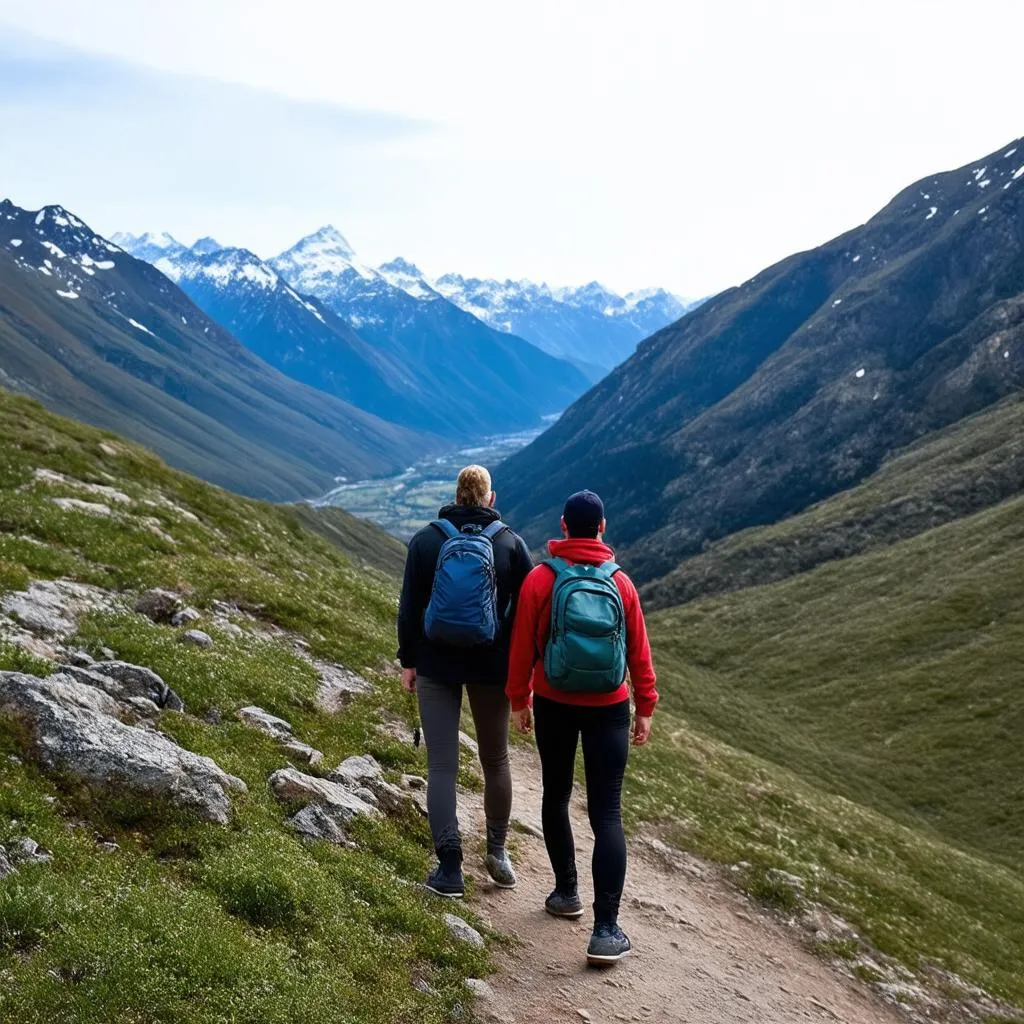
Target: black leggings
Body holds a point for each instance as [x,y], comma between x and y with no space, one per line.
[605,732]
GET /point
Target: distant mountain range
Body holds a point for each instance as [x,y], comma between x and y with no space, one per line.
[797,384]
[95,333]
[404,353]
[591,326]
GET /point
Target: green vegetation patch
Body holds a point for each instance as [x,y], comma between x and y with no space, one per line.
[148,915]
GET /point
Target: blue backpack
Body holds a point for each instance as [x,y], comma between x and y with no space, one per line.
[463,608]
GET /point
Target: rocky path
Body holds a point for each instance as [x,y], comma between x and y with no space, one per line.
[702,954]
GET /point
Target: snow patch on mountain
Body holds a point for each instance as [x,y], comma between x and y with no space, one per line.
[589,324]
[407,276]
[149,246]
[320,262]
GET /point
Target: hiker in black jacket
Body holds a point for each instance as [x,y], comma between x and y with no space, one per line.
[438,671]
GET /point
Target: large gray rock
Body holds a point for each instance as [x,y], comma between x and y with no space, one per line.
[26,851]
[14,635]
[6,867]
[89,508]
[124,681]
[109,494]
[197,638]
[73,728]
[464,931]
[321,821]
[185,617]
[158,604]
[50,608]
[363,772]
[295,786]
[265,722]
[357,771]
[480,989]
[303,751]
[339,686]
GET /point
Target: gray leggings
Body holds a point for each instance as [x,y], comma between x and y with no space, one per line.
[440,709]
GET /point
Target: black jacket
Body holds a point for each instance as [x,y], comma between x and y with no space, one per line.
[512,562]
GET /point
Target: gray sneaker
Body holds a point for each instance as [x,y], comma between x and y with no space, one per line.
[562,904]
[608,944]
[499,867]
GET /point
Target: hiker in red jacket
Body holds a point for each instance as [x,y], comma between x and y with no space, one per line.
[595,603]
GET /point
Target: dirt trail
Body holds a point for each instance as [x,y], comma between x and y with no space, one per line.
[701,953]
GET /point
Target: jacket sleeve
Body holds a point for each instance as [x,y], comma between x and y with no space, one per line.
[412,605]
[523,652]
[638,650]
[522,563]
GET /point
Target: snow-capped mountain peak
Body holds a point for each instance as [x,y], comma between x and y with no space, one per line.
[206,245]
[407,276]
[589,324]
[150,245]
[318,263]
[55,244]
[329,238]
[220,268]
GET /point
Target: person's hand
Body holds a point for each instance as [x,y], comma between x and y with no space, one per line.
[409,680]
[641,730]
[523,719]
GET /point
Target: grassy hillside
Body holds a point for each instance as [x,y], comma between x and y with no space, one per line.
[891,678]
[951,473]
[872,678]
[358,538]
[148,915]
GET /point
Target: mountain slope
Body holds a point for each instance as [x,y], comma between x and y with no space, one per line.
[590,326]
[484,381]
[296,335]
[149,916]
[950,473]
[94,332]
[798,383]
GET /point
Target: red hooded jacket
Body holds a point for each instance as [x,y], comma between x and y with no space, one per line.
[533,626]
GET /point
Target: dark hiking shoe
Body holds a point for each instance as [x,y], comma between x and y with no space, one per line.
[446,882]
[499,867]
[562,904]
[607,945]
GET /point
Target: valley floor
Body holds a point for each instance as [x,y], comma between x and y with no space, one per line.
[702,953]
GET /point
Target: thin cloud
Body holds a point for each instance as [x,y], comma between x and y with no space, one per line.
[120,142]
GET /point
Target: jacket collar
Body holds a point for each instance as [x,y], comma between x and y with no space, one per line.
[469,515]
[589,550]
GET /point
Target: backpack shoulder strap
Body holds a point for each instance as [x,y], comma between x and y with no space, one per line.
[495,530]
[608,569]
[446,527]
[556,565]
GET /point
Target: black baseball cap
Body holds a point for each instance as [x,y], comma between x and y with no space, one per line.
[583,514]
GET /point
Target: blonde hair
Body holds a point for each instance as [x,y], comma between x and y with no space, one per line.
[473,487]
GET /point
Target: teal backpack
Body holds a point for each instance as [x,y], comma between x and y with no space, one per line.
[586,652]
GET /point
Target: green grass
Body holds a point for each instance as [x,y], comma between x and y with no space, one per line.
[855,725]
[914,897]
[879,699]
[182,921]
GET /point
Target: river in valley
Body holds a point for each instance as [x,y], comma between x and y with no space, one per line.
[405,502]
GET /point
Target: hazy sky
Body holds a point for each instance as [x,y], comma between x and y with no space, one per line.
[684,144]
